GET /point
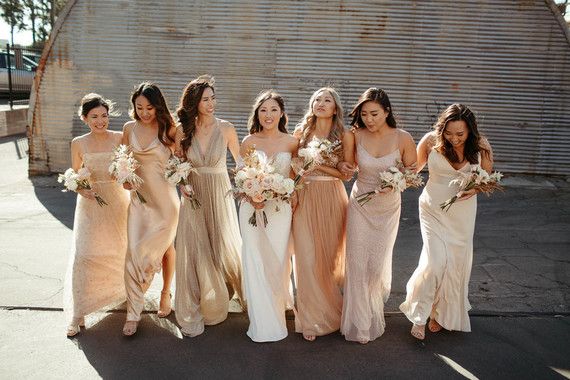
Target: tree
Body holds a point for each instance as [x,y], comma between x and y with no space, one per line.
[13,14]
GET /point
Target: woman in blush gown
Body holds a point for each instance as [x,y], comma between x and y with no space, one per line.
[265,257]
[438,287]
[151,225]
[319,222]
[94,277]
[208,242]
[372,227]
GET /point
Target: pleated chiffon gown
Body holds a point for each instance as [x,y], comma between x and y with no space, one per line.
[439,285]
[208,242]
[95,274]
[151,226]
[319,246]
[371,234]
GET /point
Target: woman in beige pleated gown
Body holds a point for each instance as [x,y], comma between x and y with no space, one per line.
[438,287]
[319,223]
[208,241]
[95,273]
[151,225]
[377,145]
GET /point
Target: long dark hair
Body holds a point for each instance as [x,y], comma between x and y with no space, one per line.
[456,112]
[377,95]
[154,96]
[253,124]
[188,107]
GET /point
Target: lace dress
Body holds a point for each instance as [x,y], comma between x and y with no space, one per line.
[208,242]
[95,274]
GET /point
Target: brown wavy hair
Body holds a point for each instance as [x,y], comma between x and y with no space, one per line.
[308,123]
[377,95]
[253,124]
[154,96]
[456,112]
[187,110]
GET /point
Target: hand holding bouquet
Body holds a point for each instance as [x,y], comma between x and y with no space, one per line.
[316,153]
[397,178]
[176,173]
[257,182]
[76,181]
[123,169]
[477,179]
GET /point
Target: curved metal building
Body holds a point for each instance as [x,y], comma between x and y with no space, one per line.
[508,60]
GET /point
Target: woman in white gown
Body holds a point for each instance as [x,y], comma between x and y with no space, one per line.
[438,287]
[265,257]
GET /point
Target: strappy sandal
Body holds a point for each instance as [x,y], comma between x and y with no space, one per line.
[418,331]
[163,313]
[74,327]
[130,328]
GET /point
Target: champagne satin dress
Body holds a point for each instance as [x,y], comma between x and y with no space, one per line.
[151,225]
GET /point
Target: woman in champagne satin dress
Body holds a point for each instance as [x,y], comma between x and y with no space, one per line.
[151,225]
[438,288]
[95,273]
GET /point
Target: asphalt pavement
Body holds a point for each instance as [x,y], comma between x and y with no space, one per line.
[519,290]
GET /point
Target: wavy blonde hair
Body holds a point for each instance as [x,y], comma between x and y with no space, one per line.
[308,122]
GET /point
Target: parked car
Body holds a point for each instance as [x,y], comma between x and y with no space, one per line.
[23,70]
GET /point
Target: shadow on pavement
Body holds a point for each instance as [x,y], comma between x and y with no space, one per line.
[59,204]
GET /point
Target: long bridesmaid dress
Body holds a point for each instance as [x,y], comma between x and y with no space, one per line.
[151,226]
[208,242]
[94,277]
[266,264]
[319,244]
[442,277]
[370,237]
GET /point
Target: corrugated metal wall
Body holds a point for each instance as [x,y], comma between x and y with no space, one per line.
[508,60]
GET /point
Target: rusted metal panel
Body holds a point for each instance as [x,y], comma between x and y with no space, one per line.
[508,60]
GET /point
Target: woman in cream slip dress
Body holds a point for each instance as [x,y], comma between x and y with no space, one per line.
[319,223]
[208,242]
[372,227]
[151,225]
[95,273]
[265,255]
[438,288]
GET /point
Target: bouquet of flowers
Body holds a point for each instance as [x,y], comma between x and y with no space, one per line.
[74,181]
[176,173]
[477,178]
[257,181]
[316,153]
[396,177]
[123,169]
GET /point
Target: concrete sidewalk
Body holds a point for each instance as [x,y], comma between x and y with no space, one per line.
[520,291]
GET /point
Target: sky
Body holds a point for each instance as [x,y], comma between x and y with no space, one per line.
[24,37]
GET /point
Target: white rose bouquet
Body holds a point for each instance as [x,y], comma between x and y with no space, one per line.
[398,178]
[176,173]
[257,181]
[75,181]
[477,178]
[123,169]
[316,153]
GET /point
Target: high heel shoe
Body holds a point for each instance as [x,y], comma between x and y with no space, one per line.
[74,327]
[130,328]
[164,312]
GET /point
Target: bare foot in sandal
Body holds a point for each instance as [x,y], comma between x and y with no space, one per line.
[309,338]
[418,331]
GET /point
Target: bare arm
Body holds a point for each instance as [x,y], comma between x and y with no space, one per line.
[126,129]
[424,147]
[408,149]
[486,157]
[233,141]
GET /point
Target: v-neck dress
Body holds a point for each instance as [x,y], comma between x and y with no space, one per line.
[151,226]
[442,277]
